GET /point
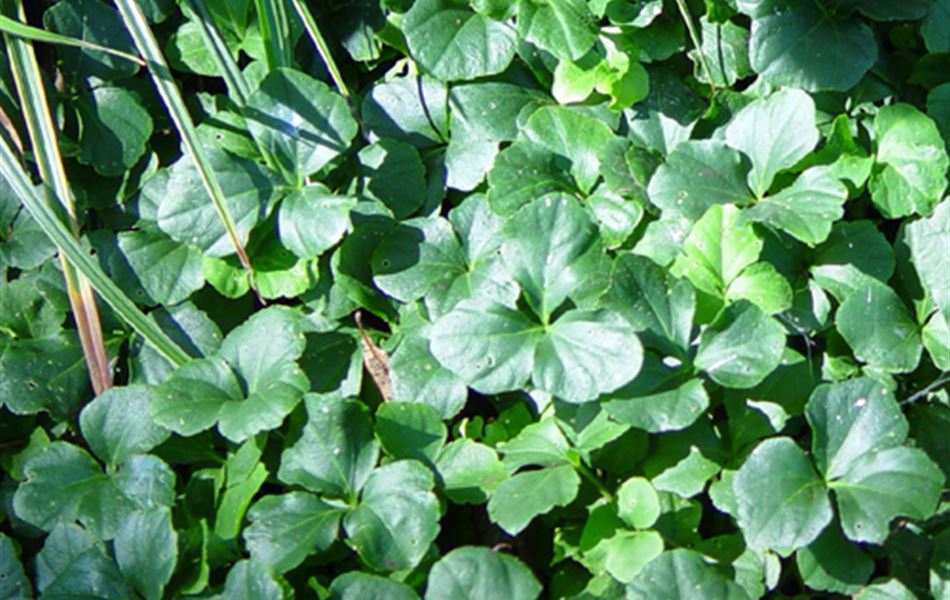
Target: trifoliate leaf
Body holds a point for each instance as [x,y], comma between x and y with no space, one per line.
[357,584]
[397,517]
[879,328]
[782,502]
[742,347]
[285,529]
[410,430]
[806,209]
[798,43]
[336,452]
[912,162]
[698,175]
[775,133]
[299,120]
[312,220]
[470,471]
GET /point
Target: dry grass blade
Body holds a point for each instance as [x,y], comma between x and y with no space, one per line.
[376,361]
[45,145]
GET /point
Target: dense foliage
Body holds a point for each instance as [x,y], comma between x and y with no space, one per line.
[585,299]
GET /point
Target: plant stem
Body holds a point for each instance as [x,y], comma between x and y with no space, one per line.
[688,21]
[591,477]
[310,24]
[922,393]
[272,17]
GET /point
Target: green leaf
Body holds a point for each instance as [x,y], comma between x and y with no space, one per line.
[146,549]
[518,500]
[726,48]
[417,375]
[936,339]
[854,252]
[489,346]
[478,573]
[628,552]
[928,240]
[470,471]
[45,374]
[286,529]
[410,430]
[763,286]
[874,491]
[742,347]
[416,256]
[262,352]
[397,517]
[393,173]
[312,220]
[851,419]
[187,216]
[800,43]
[73,563]
[585,354]
[300,121]
[782,503]
[911,162]
[660,411]
[523,172]
[717,250]
[935,26]
[96,22]
[688,477]
[775,133]
[667,116]
[806,209]
[891,589]
[539,444]
[168,271]
[117,425]
[453,43]
[637,503]
[565,28]
[659,306]
[880,330]
[356,585]
[249,579]
[411,109]
[565,260]
[664,577]
[573,135]
[13,582]
[337,451]
[115,128]
[63,484]
[697,175]
[832,564]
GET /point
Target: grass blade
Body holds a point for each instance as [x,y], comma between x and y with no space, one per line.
[310,24]
[78,259]
[145,41]
[45,145]
[21,30]
[276,32]
[218,50]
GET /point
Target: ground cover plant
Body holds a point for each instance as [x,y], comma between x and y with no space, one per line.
[480,299]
